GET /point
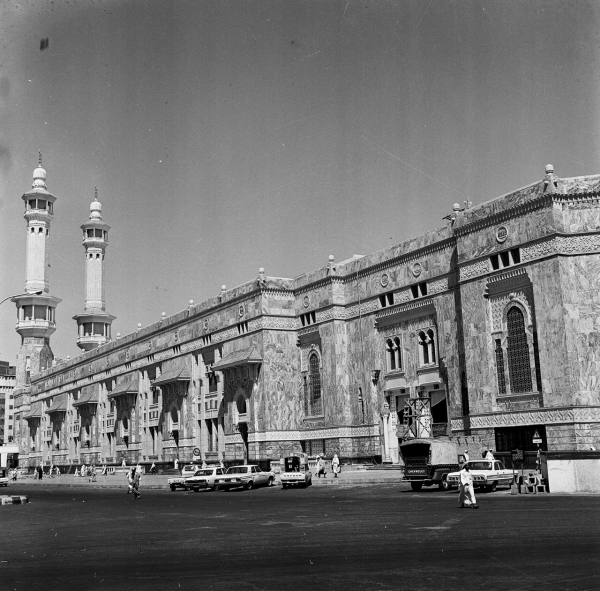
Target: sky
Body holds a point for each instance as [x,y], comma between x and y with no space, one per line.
[225,136]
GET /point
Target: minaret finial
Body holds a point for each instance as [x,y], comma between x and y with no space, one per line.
[96,193]
[40,157]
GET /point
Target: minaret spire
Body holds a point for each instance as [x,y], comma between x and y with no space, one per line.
[94,324]
[36,309]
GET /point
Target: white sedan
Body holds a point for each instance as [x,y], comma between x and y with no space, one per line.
[245,476]
[204,478]
[487,474]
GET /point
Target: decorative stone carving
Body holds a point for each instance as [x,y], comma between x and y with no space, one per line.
[475,269]
[437,286]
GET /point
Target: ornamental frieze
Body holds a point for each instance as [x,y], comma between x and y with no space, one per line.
[330,433]
[538,416]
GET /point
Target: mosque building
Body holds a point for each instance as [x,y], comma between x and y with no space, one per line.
[485,330]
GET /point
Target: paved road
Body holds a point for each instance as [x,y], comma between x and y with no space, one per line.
[364,538]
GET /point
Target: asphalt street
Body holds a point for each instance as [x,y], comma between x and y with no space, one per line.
[360,538]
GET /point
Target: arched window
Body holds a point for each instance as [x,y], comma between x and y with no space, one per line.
[391,355]
[431,343]
[424,348]
[314,385]
[519,366]
[398,352]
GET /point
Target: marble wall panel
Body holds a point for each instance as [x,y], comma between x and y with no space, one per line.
[521,229]
[280,392]
[550,323]
[582,216]
[580,278]
[480,367]
[448,315]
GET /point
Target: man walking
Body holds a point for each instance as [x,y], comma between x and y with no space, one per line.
[466,497]
[335,465]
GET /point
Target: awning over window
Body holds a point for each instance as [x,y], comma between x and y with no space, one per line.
[243,357]
[89,398]
[128,387]
[174,375]
[35,412]
[57,407]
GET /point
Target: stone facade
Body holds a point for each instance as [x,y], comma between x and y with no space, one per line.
[482,330]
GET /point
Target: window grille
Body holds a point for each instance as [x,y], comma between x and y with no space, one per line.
[314,375]
[519,368]
[500,367]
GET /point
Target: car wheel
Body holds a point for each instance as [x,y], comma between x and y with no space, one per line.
[416,486]
[444,483]
[271,481]
[172,488]
[249,485]
[492,487]
[215,487]
[284,486]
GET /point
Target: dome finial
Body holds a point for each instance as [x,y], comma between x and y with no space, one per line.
[40,158]
[96,207]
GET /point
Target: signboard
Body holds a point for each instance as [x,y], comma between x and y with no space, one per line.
[196,451]
[536,437]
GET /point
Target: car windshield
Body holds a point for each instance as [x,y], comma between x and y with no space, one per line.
[190,468]
[238,470]
[203,473]
[480,465]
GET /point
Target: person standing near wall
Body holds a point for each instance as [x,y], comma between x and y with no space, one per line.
[335,465]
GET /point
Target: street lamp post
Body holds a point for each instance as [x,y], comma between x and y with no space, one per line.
[385,415]
[18,295]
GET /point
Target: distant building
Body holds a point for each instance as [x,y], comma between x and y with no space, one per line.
[7,385]
[486,331]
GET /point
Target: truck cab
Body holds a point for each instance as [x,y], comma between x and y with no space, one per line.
[427,462]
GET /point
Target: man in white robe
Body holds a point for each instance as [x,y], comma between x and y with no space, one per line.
[466,497]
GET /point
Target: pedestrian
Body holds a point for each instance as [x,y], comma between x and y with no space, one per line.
[466,497]
[489,455]
[76,471]
[123,463]
[15,473]
[221,464]
[176,464]
[93,473]
[204,464]
[130,480]
[321,466]
[134,483]
[335,465]
[466,455]
[153,469]
[103,471]
[40,472]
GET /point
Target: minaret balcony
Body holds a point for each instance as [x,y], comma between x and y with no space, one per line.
[35,327]
[89,342]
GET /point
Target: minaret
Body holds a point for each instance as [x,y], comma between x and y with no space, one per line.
[36,309]
[94,324]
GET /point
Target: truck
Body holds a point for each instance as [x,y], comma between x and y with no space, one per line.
[427,462]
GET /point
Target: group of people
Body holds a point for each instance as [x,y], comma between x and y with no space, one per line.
[89,471]
[320,467]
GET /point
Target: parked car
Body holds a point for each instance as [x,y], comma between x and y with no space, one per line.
[179,481]
[204,478]
[295,471]
[246,476]
[189,470]
[427,462]
[3,477]
[487,474]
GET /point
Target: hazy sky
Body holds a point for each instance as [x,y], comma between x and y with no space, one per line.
[227,136]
